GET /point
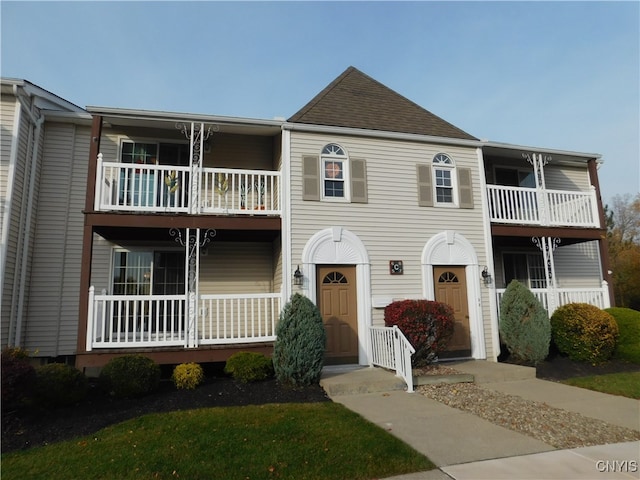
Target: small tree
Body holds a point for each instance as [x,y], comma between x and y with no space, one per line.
[524,324]
[428,326]
[298,353]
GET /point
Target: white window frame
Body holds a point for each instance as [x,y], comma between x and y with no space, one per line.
[444,162]
[335,153]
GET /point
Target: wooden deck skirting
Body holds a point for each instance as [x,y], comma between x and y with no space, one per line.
[171,356]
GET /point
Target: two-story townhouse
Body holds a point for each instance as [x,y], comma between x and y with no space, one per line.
[198,228]
[386,205]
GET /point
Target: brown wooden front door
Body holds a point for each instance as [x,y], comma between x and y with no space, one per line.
[451,288]
[338,306]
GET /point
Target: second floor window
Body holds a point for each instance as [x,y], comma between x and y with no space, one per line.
[334,163]
[443,172]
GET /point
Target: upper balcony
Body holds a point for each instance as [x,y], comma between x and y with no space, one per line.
[175,189]
[531,206]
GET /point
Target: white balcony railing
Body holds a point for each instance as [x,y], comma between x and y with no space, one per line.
[598,297]
[391,349]
[530,206]
[167,188]
[132,321]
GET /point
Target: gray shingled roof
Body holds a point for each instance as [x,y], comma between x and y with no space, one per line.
[356,100]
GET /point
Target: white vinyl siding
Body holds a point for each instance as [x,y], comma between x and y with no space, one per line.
[12,194]
[53,303]
[562,177]
[237,267]
[391,225]
[578,265]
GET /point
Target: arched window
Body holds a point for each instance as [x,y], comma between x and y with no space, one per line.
[334,172]
[444,179]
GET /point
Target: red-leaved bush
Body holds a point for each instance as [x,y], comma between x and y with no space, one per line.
[428,325]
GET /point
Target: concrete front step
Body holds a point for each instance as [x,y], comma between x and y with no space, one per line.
[356,379]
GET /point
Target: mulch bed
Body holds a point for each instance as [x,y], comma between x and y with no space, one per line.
[26,429]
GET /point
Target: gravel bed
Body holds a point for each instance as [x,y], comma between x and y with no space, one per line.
[553,426]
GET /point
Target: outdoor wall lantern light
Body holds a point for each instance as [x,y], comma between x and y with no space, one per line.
[297,277]
[486,276]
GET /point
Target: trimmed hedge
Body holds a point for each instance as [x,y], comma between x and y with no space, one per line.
[628,346]
[428,326]
[584,332]
[58,384]
[18,376]
[187,376]
[249,367]
[130,376]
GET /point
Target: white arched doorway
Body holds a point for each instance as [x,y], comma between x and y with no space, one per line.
[452,249]
[338,246]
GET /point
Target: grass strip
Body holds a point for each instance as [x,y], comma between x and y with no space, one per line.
[289,441]
[623,384]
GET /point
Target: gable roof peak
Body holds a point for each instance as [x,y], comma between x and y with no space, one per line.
[355,100]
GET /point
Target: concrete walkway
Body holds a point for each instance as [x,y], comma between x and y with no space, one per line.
[465,447]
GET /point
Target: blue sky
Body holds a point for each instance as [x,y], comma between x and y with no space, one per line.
[562,75]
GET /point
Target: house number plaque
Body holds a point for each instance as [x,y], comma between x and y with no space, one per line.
[395,267]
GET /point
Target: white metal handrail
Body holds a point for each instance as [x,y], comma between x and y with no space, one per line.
[391,349]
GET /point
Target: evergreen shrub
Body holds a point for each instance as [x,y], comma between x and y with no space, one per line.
[130,376]
[298,353]
[524,324]
[428,326]
[59,384]
[187,376]
[249,366]
[584,332]
[17,378]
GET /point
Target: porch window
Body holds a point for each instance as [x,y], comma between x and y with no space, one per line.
[146,273]
[527,268]
[334,164]
[512,177]
[444,175]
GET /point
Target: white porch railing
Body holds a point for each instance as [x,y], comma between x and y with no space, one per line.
[239,318]
[530,206]
[132,321]
[391,349]
[598,297]
[166,188]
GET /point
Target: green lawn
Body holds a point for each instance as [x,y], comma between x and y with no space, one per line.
[291,441]
[624,384]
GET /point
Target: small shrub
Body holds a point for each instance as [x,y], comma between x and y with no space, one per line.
[59,384]
[17,378]
[584,332]
[524,324]
[130,376]
[187,376]
[428,326]
[298,353]
[249,366]
[628,346]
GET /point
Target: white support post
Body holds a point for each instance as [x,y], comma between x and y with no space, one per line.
[97,200]
[90,310]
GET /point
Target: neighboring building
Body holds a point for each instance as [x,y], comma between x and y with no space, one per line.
[197,229]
